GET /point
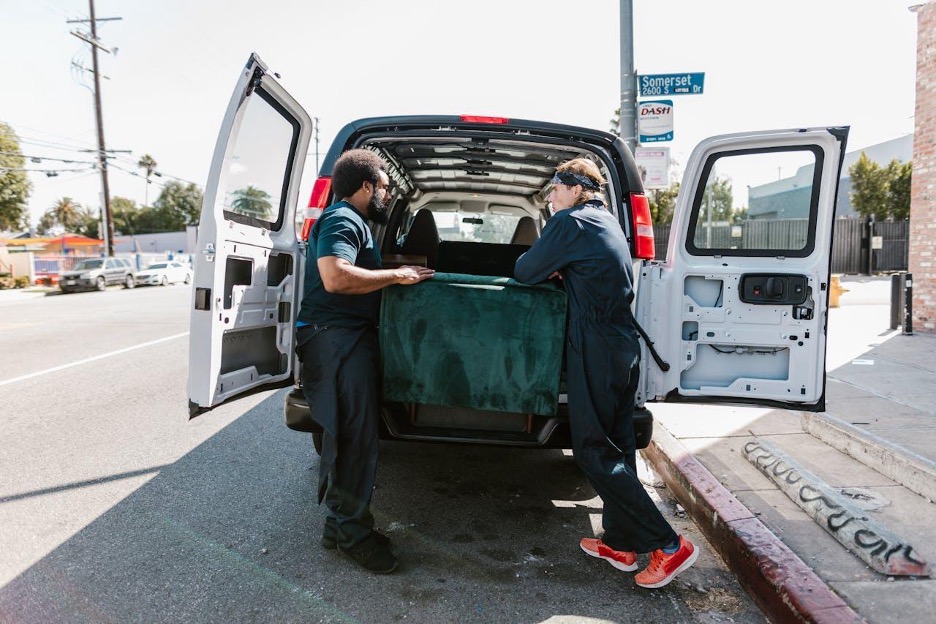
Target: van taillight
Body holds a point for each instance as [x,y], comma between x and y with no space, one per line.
[321,191]
[644,247]
[483,119]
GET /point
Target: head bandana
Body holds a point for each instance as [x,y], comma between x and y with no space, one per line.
[571,179]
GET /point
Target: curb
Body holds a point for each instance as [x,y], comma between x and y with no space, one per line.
[784,587]
[898,464]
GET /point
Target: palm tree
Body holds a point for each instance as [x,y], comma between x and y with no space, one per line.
[67,213]
[148,163]
[252,202]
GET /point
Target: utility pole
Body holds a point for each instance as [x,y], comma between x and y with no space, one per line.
[102,153]
[628,77]
[316,127]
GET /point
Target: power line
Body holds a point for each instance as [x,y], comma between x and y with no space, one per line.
[48,172]
[50,144]
[36,159]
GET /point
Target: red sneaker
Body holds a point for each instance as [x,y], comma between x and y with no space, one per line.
[663,568]
[620,559]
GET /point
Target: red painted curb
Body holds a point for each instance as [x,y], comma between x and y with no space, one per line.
[784,587]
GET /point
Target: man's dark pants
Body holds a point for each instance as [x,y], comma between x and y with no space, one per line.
[602,373]
[340,382]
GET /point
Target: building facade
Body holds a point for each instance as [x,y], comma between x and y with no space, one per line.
[788,198]
[923,184]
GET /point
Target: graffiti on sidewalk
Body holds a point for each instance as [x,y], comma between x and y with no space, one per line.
[879,547]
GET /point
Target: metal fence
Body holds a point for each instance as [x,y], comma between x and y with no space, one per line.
[852,250]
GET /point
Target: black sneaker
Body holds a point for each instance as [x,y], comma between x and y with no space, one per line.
[330,540]
[371,555]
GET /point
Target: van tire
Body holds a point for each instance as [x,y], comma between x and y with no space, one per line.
[100,283]
[128,282]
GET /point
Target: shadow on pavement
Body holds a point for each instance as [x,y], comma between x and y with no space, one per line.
[229,533]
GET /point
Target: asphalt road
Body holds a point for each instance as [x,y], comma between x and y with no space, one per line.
[114,507]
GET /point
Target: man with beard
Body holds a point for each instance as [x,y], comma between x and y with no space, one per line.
[336,338]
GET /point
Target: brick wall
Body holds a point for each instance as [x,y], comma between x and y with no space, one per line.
[923,186]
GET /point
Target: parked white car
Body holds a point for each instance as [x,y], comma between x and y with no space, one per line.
[163,274]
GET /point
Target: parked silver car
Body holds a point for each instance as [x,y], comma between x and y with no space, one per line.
[97,273]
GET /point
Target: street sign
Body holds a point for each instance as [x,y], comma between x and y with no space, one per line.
[655,121]
[670,84]
[653,164]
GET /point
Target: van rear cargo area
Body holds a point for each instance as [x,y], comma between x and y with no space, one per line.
[477,342]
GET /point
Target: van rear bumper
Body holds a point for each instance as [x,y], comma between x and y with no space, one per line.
[405,422]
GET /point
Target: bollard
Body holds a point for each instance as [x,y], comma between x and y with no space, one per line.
[908,304]
[835,289]
[897,300]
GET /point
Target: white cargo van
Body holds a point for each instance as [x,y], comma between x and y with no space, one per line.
[732,314]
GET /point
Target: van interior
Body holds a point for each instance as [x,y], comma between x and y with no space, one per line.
[469,205]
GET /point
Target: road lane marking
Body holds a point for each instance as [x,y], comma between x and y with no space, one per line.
[90,359]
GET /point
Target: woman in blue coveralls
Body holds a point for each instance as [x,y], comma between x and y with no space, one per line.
[583,244]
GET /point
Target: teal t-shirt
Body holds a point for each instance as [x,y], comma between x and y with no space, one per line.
[343,232]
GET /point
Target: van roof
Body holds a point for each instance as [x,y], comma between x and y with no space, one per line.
[448,152]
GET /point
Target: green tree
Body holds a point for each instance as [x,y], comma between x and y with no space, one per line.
[65,213]
[615,122]
[14,183]
[718,195]
[869,188]
[252,202]
[125,213]
[46,223]
[181,203]
[148,164]
[87,224]
[898,190]
[159,219]
[663,203]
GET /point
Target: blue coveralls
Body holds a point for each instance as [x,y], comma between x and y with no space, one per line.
[587,246]
[337,342]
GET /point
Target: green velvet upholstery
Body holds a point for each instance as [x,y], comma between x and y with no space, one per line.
[488,343]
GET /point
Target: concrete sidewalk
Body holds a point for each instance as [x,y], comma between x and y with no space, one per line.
[876,443]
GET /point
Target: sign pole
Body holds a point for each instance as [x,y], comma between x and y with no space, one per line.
[628,77]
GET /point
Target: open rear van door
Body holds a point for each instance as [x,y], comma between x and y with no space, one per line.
[738,310]
[246,261]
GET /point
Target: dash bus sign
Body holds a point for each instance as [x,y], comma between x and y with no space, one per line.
[670,84]
[655,121]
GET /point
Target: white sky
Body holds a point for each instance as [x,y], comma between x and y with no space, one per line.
[767,65]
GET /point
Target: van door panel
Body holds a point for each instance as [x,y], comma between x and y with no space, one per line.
[739,307]
[245,285]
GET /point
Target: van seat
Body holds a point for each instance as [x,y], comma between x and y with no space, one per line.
[525,233]
[479,258]
[422,239]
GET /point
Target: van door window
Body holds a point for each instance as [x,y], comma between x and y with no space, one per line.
[757,203]
[254,183]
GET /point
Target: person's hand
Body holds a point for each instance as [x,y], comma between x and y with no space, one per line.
[555,274]
[407,275]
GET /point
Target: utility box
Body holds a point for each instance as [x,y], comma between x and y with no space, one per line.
[484,343]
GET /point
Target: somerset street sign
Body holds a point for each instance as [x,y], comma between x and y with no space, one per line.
[670,84]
